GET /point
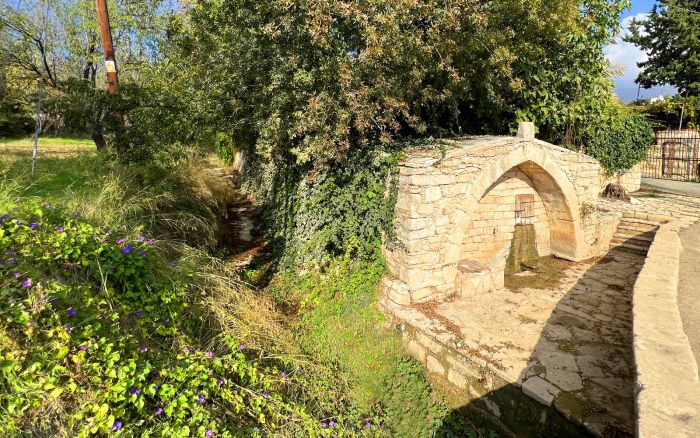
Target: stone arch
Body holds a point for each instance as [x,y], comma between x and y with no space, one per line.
[447,244]
[552,184]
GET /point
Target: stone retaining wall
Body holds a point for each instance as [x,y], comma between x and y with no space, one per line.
[630,180]
[668,399]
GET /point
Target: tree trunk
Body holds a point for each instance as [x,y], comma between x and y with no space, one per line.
[98,138]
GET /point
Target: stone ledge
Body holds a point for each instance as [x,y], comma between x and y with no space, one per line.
[668,399]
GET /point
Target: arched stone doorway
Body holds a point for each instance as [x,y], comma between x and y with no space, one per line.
[456,212]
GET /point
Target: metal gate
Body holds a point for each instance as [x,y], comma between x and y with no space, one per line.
[675,155]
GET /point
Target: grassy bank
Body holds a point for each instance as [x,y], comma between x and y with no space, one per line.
[118,319]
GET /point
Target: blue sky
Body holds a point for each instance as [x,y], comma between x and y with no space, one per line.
[626,56]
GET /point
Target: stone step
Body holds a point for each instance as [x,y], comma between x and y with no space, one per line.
[617,240]
[635,234]
[638,227]
[635,231]
[635,220]
[642,250]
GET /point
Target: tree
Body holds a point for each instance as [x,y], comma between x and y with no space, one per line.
[671,38]
[310,80]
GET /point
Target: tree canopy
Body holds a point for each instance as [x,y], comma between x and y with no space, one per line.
[671,38]
[312,79]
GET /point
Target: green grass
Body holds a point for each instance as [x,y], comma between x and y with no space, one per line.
[339,326]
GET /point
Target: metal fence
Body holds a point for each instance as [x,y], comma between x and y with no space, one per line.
[675,155]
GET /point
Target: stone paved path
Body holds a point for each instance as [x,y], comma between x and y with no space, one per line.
[569,346]
[689,287]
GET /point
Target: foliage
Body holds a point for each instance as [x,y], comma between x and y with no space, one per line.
[670,36]
[341,211]
[173,198]
[309,82]
[224,148]
[666,113]
[15,119]
[103,328]
[340,326]
[621,140]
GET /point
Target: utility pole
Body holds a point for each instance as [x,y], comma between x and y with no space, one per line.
[106,35]
[110,64]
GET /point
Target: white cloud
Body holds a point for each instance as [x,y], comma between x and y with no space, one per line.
[625,56]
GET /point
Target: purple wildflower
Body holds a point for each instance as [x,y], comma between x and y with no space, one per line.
[60,229]
[331,423]
[143,350]
[135,391]
[241,347]
[121,240]
[71,311]
[149,242]
[4,217]
[117,425]
[11,251]
[283,374]
[18,223]
[324,424]
[138,313]
[266,392]
[12,261]
[143,253]
[209,433]
[27,282]
[127,249]
[69,329]
[83,347]
[47,205]
[220,382]
[33,225]
[210,354]
[155,388]
[141,238]
[368,425]
[159,411]
[201,399]
[18,274]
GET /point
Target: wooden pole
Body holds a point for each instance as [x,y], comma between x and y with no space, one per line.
[106,35]
[110,64]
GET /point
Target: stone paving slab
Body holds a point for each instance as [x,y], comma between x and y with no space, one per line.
[569,347]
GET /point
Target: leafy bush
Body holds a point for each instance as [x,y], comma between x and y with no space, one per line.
[342,211]
[101,334]
[223,145]
[621,141]
[15,119]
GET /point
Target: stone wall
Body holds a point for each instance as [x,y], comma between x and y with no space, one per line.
[668,401]
[630,180]
[441,200]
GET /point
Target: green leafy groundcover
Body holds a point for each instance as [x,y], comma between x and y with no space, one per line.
[102,335]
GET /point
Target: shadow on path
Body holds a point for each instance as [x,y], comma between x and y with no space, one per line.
[579,378]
